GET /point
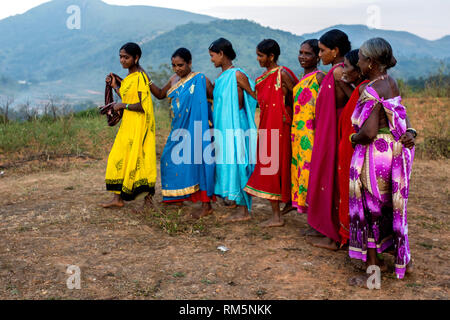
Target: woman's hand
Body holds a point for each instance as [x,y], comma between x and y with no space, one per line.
[119,106]
[111,80]
[408,140]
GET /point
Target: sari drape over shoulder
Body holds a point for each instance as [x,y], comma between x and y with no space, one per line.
[271,178]
[302,136]
[235,138]
[379,184]
[131,168]
[322,210]
[345,153]
[186,174]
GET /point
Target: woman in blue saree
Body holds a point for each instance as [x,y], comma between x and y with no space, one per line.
[235,132]
[187,162]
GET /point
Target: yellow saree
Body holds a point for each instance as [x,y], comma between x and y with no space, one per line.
[131,168]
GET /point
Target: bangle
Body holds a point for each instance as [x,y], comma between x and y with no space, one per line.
[126,107]
[351,136]
[413,131]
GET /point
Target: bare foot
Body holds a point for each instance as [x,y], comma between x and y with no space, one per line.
[325,243]
[237,217]
[288,208]
[115,203]
[206,211]
[272,222]
[229,204]
[311,233]
[409,268]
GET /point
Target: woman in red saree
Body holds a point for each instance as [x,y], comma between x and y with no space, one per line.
[352,75]
[271,178]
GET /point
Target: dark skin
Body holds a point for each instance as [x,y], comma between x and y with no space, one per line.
[132,64]
[182,71]
[308,60]
[269,62]
[343,90]
[221,60]
[386,88]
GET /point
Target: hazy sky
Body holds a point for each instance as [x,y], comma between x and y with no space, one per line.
[428,19]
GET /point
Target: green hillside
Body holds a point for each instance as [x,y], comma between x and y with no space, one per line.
[48,58]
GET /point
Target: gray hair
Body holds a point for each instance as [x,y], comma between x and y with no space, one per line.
[379,50]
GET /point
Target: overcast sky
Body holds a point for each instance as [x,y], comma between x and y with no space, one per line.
[428,19]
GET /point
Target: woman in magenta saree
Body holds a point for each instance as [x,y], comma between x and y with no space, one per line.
[381,165]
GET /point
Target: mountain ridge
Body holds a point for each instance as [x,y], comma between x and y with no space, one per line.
[43,52]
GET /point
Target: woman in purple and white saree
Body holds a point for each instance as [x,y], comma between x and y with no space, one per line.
[381,164]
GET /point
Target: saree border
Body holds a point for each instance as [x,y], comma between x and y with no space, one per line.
[262,194]
[181,82]
[181,192]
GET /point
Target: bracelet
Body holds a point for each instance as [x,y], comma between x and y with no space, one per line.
[413,131]
[351,136]
[127,107]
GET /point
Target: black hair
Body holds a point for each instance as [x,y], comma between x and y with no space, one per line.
[352,57]
[336,38]
[268,47]
[225,46]
[314,44]
[184,54]
[132,49]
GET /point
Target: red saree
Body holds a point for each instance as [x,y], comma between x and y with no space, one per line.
[345,153]
[271,178]
[322,190]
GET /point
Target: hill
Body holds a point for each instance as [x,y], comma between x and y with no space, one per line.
[48,58]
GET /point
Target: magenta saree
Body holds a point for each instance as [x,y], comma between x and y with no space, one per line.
[379,184]
[322,212]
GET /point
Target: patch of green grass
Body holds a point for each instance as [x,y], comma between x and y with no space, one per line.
[179,274]
[208,282]
[414,285]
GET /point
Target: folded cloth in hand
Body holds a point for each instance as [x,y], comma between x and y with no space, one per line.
[113,117]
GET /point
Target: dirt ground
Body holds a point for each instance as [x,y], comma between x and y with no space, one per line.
[50,219]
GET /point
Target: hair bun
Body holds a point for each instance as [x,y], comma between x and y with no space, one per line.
[392,63]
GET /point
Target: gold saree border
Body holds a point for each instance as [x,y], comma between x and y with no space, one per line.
[180,192]
[181,82]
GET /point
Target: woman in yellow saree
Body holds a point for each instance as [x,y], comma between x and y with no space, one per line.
[131,168]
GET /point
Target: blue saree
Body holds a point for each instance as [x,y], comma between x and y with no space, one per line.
[235,135]
[184,170]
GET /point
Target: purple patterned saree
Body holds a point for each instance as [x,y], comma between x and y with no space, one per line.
[379,184]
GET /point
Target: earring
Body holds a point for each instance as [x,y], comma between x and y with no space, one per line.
[370,66]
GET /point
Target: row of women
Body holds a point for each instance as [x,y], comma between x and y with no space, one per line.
[336,146]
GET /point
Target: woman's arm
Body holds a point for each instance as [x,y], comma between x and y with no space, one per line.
[209,89]
[111,80]
[136,107]
[244,84]
[160,93]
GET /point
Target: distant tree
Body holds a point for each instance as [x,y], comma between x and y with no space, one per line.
[27,111]
[5,104]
